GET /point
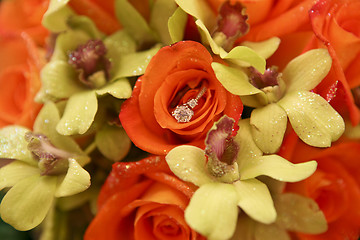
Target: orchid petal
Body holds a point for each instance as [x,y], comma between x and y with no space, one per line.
[278,168]
[59,80]
[14,146]
[248,148]
[120,89]
[14,172]
[312,118]
[133,22]
[162,10]
[113,142]
[247,56]
[79,113]
[265,48]
[133,64]
[207,39]
[176,24]
[200,10]
[76,180]
[213,211]
[55,17]
[234,80]
[46,122]
[26,204]
[85,24]
[189,164]
[119,43]
[300,214]
[268,231]
[255,200]
[268,125]
[68,41]
[307,70]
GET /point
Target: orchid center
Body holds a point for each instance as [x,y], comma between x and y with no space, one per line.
[270,83]
[231,24]
[52,161]
[222,151]
[91,63]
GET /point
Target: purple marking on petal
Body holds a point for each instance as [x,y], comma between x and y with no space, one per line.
[5,161]
[52,161]
[260,81]
[219,143]
[231,22]
[90,58]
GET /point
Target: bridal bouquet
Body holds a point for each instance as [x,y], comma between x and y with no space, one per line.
[180,119]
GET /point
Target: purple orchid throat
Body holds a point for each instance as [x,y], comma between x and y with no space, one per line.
[89,59]
[269,78]
[220,145]
[232,22]
[52,161]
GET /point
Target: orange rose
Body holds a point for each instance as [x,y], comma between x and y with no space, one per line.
[335,23]
[20,65]
[142,200]
[24,15]
[335,186]
[175,75]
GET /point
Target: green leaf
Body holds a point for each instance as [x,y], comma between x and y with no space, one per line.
[200,10]
[247,56]
[14,146]
[59,80]
[312,118]
[56,16]
[46,123]
[307,70]
[264,48]
[160,14]
[83,23]
[189,164]
[213,211]
[79,113]
[120,88]
[234,80]
[278,168]
[176,25]
[133,22]
[255,200]
[268,125]
[299,214]
[76,180]
[14,172]
[133,64]
[26,204]
[113,142]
